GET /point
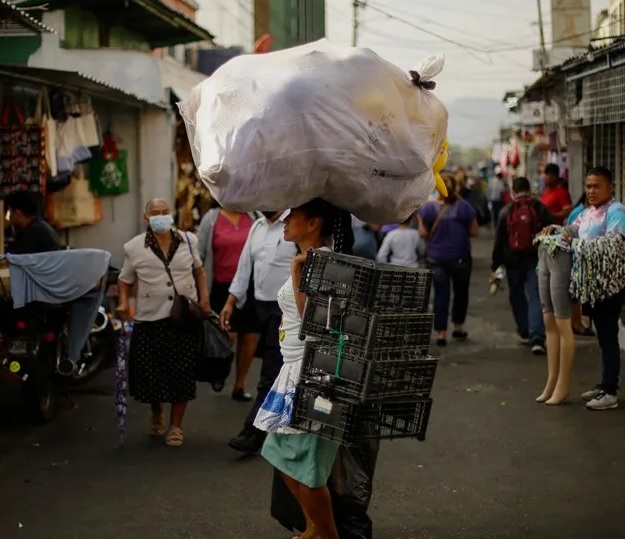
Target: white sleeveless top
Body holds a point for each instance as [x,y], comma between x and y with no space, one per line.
[290,345]
[275,413]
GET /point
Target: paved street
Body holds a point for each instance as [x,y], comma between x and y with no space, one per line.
[495,465]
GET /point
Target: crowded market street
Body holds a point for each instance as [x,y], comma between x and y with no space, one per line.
[495,463]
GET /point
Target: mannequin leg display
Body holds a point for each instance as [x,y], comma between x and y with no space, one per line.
[567,355]
[552,336]
[553,357]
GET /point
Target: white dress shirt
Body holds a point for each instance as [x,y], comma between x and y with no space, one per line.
[271,257]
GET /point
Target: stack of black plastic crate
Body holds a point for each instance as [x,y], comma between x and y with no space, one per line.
[366,370]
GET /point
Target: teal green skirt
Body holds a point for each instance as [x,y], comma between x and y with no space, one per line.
[304,457]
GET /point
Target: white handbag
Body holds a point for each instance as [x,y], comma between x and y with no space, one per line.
[89,125]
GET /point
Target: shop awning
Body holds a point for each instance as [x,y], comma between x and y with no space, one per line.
[71,80]
[161,25]
[15,22]
[178,78]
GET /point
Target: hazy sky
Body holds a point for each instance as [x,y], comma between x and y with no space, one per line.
[482,24]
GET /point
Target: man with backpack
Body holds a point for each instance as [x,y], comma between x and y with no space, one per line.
[518,224]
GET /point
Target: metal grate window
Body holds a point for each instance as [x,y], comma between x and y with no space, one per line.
[597,98]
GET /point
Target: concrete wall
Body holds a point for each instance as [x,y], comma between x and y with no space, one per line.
[148,137]
[122,213]
[156,156]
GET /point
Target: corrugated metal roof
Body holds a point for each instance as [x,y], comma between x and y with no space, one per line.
[76,80]
[179,78]
[582,58]
[17,22]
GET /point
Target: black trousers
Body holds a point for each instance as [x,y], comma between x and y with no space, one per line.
[269,316]
[606,316]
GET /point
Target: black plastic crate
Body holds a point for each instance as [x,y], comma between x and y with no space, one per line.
[318,411]
[405,374]
[370,333]
[366,284]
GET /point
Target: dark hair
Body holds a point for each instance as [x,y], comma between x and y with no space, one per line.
[552,170]
[582,200]
[337,223]
[26,202]
[601,171]
[452,188]
[214,204]
[521,185]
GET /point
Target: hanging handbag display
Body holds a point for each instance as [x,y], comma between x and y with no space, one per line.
[22,153]
[74,205]
[55,180]
[89,126]
[109,172]
[43,118]
[71,144]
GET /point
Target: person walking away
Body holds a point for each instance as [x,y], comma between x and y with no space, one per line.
[162,263]
[447,225]
[267,258]
[494,194]
[402,246]
[580,311]
[603,215]
[31,234]
[365,238]
[555,195]
[221,237]
[514,249]
[304,459]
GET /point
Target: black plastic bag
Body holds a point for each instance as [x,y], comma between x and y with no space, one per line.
[215,354]
[350,486]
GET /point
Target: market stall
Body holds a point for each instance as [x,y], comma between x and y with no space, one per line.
[80,145]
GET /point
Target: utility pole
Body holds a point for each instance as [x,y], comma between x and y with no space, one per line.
[541,28]
[356,22]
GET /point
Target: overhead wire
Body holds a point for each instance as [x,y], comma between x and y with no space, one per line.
[467,48]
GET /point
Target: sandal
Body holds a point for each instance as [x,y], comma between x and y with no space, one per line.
[158,425]
[174,437]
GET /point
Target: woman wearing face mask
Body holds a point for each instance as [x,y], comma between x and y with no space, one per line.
[162,262]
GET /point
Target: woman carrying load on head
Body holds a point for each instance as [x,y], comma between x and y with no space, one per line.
[304,460]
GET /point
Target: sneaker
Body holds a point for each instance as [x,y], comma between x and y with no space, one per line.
[524,341]
[538,349]
[603,401]
[591,395]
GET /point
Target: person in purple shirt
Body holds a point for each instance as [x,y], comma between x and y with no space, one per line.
[447,224]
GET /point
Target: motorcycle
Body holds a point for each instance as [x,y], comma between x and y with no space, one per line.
[35,342]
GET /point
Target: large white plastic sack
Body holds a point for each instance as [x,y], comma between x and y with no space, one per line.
[273,131]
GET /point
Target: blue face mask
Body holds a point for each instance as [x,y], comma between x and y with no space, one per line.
[161,223]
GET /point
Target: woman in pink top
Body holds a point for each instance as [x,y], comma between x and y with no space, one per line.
[221,237]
